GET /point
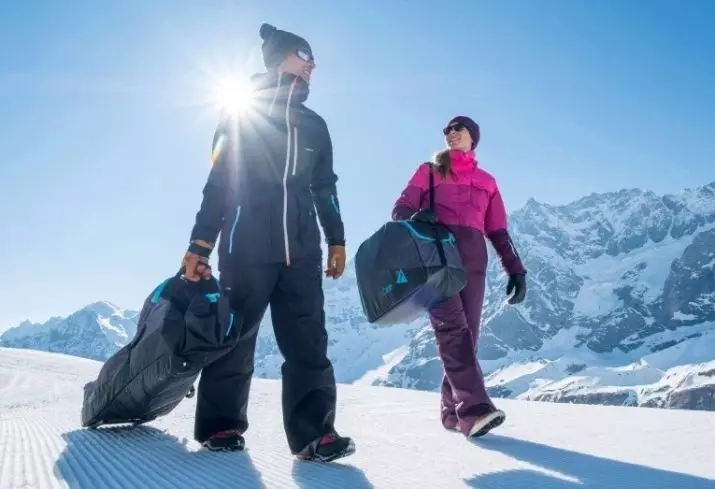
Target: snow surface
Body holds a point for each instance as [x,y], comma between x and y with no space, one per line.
[400,443]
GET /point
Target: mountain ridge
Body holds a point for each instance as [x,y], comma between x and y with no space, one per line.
[613,278]
[95,331]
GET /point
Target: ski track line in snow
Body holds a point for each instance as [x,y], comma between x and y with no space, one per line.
[6,438]
[124,457]
[400,444]
[4,452]
[28,462]
[40,441]
[46,450]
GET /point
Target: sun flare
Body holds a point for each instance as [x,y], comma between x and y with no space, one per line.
[231,93]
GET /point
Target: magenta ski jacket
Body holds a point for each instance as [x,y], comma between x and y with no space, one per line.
[469,201]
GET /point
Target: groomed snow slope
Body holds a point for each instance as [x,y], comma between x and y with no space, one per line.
[400,442]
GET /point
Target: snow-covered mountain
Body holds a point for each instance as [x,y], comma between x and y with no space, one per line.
[620,310]
[621,289]
[95,331]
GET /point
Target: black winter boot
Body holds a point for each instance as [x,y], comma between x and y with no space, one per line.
[225,441]
[328,448]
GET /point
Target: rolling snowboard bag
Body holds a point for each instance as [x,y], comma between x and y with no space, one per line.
[183,326]
[407,267]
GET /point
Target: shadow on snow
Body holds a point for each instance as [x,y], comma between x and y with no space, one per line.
[585,471]
[144,456]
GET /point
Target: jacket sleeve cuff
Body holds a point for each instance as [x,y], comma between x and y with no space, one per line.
[336,242]
[515,268]
[199,250]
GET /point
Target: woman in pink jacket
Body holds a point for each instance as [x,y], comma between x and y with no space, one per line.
[467,201]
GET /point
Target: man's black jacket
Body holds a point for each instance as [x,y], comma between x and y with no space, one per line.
[272,172]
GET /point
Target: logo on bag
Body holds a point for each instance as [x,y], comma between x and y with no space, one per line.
[213,297]
[400,278]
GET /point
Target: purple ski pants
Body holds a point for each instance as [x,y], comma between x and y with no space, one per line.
[456,327]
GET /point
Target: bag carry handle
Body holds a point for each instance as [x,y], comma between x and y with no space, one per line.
[440,247]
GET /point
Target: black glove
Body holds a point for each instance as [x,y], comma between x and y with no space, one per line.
[424,215]
[517,283]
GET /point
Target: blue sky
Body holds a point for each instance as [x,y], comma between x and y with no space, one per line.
[105,131]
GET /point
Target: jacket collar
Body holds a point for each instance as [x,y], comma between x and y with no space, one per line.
[279,89]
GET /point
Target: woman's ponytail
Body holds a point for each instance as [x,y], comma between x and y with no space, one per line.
[443,163]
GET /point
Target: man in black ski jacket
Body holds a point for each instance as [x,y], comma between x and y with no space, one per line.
[272,177]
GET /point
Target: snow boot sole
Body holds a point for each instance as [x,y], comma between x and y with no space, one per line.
[224,449]
[488,423]
[238,447]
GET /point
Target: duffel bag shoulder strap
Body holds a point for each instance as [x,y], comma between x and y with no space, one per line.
[435,231]
[431,186]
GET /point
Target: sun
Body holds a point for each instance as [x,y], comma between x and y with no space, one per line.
[231,93]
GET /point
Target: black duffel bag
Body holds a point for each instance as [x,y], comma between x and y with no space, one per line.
[407,267]
[183,326]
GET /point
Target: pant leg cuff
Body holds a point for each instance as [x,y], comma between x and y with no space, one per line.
[204,429]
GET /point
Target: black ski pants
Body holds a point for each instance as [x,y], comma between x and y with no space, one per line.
[295,296]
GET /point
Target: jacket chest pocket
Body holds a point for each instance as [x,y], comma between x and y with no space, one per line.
[451,200]
[303,151]
[479,197]
[295,146]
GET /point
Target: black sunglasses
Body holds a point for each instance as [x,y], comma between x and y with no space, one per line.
[457,127]
[304,54]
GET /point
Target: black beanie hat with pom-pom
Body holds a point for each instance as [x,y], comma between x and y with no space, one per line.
[278,44]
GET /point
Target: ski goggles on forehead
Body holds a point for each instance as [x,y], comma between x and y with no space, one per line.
[457,127]
[304,54]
